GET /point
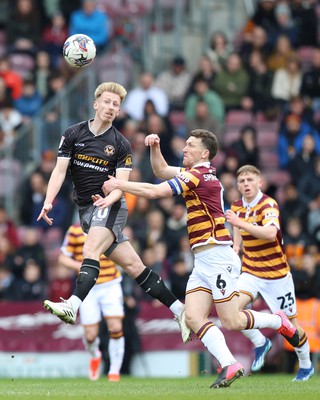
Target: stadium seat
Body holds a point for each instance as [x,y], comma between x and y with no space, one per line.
[267,138]
[237,117]
[268,159]
[277,177]
[231,135]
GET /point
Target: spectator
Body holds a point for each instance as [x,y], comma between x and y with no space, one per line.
[256,42]
[178,277]
[92,22]
[258,96]
[303,162]
[24,35]
[206,70]
[10,120]
[8,228]
[309,185]
[281,53]
[305,19]
[310,89]
[31,248]
[30,102]
[5,92]
[175,82]
[295,241]
[264,16]
[30,208]
[246,147]
[292,205]
[286,25]
[175,228]
[140,157]
[54,36]
[12,80]
[8,290]
[43,71]
[232,83]
[134,104]
[313,220]
[157,124]
[291,138]
[31,287]
[297,106]
[213,100]
[204,120]
[287,82]
[219,50]
[307,277]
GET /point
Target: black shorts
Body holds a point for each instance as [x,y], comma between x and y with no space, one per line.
[113,218]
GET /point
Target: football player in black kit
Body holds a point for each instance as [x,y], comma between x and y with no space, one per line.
[92,150]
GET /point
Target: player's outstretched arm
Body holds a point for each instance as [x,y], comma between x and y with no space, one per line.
[159,165]
[55,182]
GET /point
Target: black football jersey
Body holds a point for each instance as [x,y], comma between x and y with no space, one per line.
[93,158]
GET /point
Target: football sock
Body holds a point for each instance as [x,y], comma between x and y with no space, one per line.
[259,320]
[255,336]
[92,347]
[87,278]
[303,352]
[213,339]
[116,354]
[177,307]
[152,284]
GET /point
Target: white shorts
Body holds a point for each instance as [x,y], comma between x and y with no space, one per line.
[104,299]
[279,294]
[216,271]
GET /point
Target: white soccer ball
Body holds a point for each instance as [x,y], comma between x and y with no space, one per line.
[79,50]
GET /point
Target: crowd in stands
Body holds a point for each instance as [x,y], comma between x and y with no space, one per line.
[259,92]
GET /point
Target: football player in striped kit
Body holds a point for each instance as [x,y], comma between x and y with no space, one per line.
[217,265]
[265,270]
[105,300]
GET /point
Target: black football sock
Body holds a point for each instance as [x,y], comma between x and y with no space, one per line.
[152,284]
[87,278]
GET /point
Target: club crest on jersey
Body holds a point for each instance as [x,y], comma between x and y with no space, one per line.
[109,150]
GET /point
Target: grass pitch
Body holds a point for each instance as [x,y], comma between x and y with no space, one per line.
[254,387]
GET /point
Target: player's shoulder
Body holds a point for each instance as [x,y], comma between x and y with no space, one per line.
[76,128]
[268,201]
[236,204]
[119,136]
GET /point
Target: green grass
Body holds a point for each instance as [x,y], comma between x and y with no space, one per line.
[255,387]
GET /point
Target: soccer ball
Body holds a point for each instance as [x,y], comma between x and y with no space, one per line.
[79,50]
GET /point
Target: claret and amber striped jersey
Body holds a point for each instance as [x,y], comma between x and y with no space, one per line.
[263,258]
[72,247]
[203,194]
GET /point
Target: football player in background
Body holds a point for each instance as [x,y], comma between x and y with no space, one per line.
[105,300]
[265,270]
[91,150]
[216,265]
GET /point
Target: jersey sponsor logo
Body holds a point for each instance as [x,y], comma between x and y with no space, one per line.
[94,160]
[209,177]
[183,178]
[109,150]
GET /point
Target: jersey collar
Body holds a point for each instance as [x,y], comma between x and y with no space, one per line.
[254,202]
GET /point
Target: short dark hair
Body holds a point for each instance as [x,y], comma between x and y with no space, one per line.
[208,139]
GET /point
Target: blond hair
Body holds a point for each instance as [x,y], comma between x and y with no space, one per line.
[112,87]
[248,169]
